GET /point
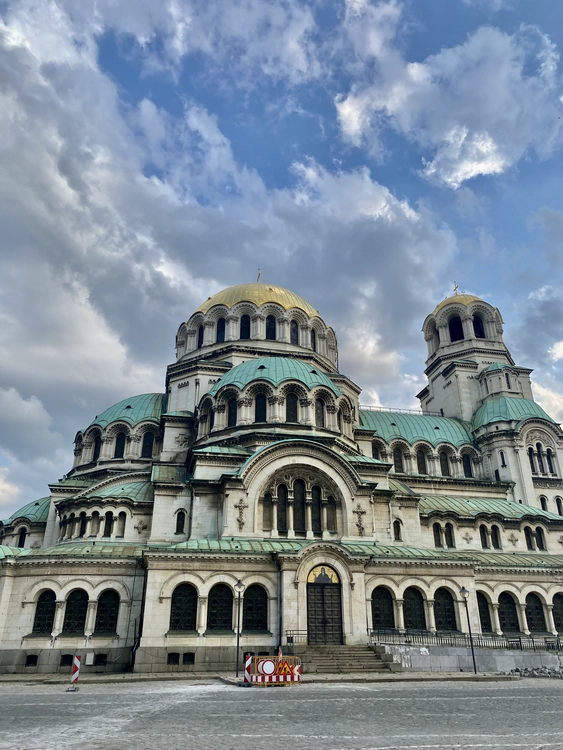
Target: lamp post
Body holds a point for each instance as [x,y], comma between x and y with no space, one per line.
[465,594]
[239,588]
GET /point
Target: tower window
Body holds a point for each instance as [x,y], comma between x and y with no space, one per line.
[294,333]
[374,451]
[220,330]
[398,460]
[444,464]
[532,461]
[97,447]
[148,443]
[508,385]
[550,464]
[456,328]
[291,408]
[483,533]
[245,327]
[421,462]
[540,538]
[529,538]
[271,328]
[543,502]
[502,460]
[232,412]
[467,470]
[397,531]
[119,445]
[449,535]
[180,522]
[200,337]
[478,327]
[495,537]
[260,408]
[437,531]
[22,537]
[540,457]
[559,504]
[319,413]
[313,340]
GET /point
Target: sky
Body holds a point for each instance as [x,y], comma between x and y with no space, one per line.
[365,154]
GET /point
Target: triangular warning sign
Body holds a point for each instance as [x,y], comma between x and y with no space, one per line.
[283,668]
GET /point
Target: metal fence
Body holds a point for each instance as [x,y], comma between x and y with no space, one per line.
[425,638]
[296,637]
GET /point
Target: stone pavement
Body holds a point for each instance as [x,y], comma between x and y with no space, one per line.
[524,715]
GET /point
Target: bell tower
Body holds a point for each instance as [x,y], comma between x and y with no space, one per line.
[467,358]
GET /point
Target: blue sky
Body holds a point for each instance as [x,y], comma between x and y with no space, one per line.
[365,154]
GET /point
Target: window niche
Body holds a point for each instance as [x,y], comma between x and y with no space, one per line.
[456,328]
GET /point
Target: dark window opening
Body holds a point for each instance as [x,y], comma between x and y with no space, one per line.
[200,337]
[319,413]
[97,447]
[483,533]
[245,327]
[529,538]
[21,538]
[255,609]
[559,504]
[220,331]
[543,503]
[478,327]
[260,408]
[31,660]
[108,523]
[507,614]
[188,658]
[232,412]
[456,328]
[107,612]
[374,451]
[313,340]
[444,464]
[467,468]
[83,522]
[180,522]
[540,538]
[291,408]
[397,531]
[495,537]
[535,615]
[282,509]
[502,460]
[270,328]
[450,542]
[382,611]
[540,457]
[316,510]
[183,607]
[220,608]
[398,460]
[558,612]
[532,462]
[437,531]
[66,660]
[45,613]
[413,608]
[299,506]
[173,658]
[75,612]
[550,461]
[331,515]
[421,462]
[444,610]
[294,333]
[484,613]
[508,385]
[497,475]
[119,445]
[148,444]
[100,660]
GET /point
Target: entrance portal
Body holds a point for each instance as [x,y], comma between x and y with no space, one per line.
[324,606]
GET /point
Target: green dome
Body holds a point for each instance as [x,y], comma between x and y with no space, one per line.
[508,409]
[274,370]
[412,427]
[36,512]
[146,407]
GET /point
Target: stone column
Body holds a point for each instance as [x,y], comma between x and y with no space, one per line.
[232,328]
[324,519]
[272,616]
[276,404]
[444,334]
[306,416]
[399,615]
[331,419]
[443,536]
[106,450]
[408,459]
[132,448]
[58,619]
[258,327]
[220,420]
[90,618]
[467,325]
[321,344]
[274,530]
[308,515]
[495,618]
[431,620]
[208,333]
[549,621]
[522,619]
[305,336]
[202,615]
[290,531]
[244,415]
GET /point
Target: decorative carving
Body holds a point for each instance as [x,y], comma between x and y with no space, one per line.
[359,512]
[241,506]
[513,539]
[468,538]
[182,440]
[140,526]
[244,402]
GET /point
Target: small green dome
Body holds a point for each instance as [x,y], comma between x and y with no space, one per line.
[275,370]
[412,427]
[35,512]
[508,409]
[146,407]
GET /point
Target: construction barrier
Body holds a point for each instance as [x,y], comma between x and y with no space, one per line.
[75,670]
[272,670]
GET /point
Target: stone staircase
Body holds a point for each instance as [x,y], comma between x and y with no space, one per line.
[343,660]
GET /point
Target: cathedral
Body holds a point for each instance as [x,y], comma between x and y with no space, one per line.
[255,498]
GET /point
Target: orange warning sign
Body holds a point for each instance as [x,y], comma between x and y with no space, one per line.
[283,667]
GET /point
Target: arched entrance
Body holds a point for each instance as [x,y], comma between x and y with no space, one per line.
[324,606]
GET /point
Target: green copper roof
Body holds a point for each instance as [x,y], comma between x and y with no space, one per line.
[138,492]
[6,551]
[35,512]
[508,409]
[275,370]
[400,487]
[475,506]
[225,450]
[413,427]
[88,549]
[498,366]
[148,406]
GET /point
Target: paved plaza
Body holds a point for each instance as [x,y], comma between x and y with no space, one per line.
[213,716]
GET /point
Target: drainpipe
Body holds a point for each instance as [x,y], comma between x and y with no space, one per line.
[280,618]
[141,615]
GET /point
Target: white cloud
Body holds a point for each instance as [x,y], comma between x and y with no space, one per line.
[550,400]
[8,493]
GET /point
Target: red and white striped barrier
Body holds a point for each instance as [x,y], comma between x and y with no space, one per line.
[75,670]
[272,670]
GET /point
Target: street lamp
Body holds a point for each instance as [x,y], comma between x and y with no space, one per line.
[465,594]
[239,588]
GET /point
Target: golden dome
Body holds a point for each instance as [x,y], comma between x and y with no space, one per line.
[258,294]
[460,299]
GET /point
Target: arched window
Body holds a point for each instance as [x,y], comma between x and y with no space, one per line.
[267,508]
[444,610]
[220,608]
[119,445]
[484,613]
[97,447]
[398,460]
[550,463]
[183,608]
[535,615]
[255,610]
[316,509]
[450,542]
[45,613]
[397,531]
[540,538]
[532,462]
[507,614]
[107,612]
[539,450]
[220,331]
[502,459]
[421,462]
[299,506]
[180,522]
[245,327]
[339,420]
[83,522]
[484,534]
[282,509]
[413,608]
[478,327]
[558,612]
[75,612]
[495,537]
[331,515]
[148,444]
[374,451]
[232,412]
[444,464]
[270,328]
[559,504]
[95,525]
[108,523]
[291,408]
[294,333]
[529,538]
[22,537]
[467,470]
[319,412]
[437,531]
[120,527]
[456,328]
[70,526]
[200,337]
[313,340]
[543,502]
[382,612]
[260,408]
[211,418]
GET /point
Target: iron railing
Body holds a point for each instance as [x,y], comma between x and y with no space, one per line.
[296,637]
[397,410]
[462,640]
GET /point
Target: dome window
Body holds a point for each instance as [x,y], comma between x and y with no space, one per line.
[478,327]
[456,329]
[220,331]
[97,447]
[260,408]
[270,328]
[294,333]
[313,340]
[245,327]
[148,443]
[119,445]
[129,406]
[232,412]
[262,367]
[291,408]
[200,337]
